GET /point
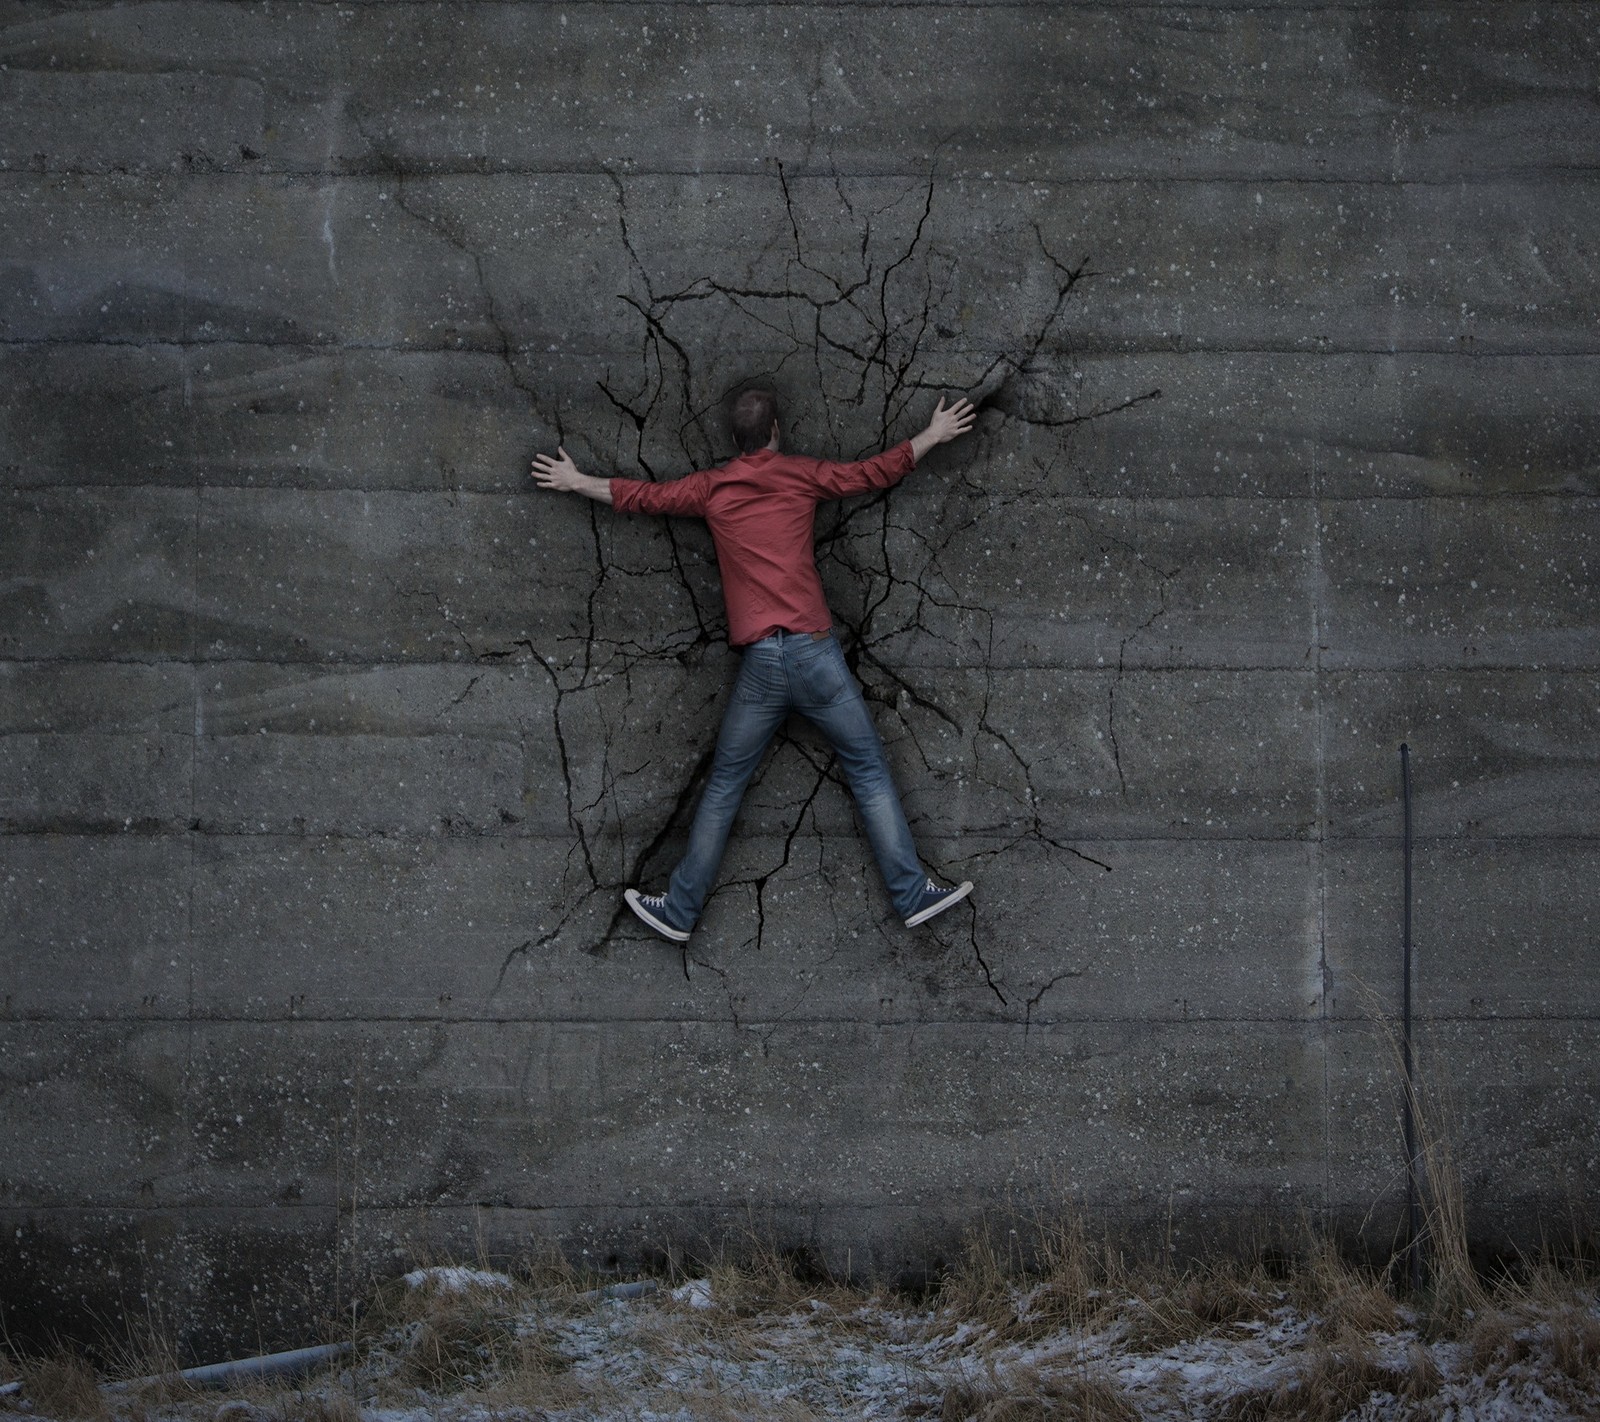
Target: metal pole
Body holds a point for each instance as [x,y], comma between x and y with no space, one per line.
[1413,1199]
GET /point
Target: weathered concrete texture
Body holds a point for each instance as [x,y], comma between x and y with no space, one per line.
[1536,945]
[190,1272]
[1447,90]
[91,573]
[1254,425]
[436,263]
[1538,1123]
[1436,584]
[327,744]
[593,1115]
[1500,754]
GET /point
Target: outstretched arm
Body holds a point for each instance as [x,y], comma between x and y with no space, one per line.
[562,474]
[945,426]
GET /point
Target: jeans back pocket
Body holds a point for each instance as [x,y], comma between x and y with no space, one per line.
[760,676]
[820,674]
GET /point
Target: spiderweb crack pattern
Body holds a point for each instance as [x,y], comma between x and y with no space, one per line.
[854,335]
[853,309]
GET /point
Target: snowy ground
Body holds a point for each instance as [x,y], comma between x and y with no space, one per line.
[473,1346]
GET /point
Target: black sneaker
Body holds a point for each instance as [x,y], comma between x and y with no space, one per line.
[652,909]
[934,900]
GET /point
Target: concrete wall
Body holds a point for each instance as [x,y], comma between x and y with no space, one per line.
[327,744]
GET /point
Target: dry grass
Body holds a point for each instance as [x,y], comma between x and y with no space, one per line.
[489,1345]
[63,1385]
[1087,1287]
[1040,1324]
[1493,1341]
[1166,1308]
[1575,1345]
[1553,1339]
[1537,1329]
[329,1405]
[457,1348]
[1453,1293]
[751,1276]
[1028,1395]
[473,1341]
[1019,1291]
[1334,1378]
[1343,1295]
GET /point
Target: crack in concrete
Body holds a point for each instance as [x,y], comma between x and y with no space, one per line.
[1163,586]
[1038,997]
[983,964]
[389,164]
[861,329]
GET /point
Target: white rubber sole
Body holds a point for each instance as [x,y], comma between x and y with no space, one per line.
[955,896]
[666,930]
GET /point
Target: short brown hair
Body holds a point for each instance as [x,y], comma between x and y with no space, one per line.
[752,415]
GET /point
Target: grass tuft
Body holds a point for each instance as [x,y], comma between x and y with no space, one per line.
[1338,1376]
[1027,1395]
[1035,1322]
[1575,1345]
[1203,1299]
[63,1385]
[1343,1295]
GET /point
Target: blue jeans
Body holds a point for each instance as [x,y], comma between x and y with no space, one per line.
[790,671]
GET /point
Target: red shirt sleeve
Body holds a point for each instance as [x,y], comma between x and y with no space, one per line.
[684,497]
[839,481]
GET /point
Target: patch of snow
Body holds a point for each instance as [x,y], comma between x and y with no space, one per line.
[454,1279]
[696,1293]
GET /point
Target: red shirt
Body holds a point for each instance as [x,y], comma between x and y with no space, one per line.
[761,508]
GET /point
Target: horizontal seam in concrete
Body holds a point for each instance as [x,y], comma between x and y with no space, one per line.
[1107,1201]
[767,1026]
[508,664]
[1540,176]
[805,1204]
[1185,347]
[46,486]
[1475,177]
[1391,841]
[1168,668]
[267,1208]
[494,354]
[177,829]
[934,483]
[1110,7]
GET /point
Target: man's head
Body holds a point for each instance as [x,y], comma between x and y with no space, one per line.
[754,418]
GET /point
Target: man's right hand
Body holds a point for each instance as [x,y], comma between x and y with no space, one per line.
[945,425]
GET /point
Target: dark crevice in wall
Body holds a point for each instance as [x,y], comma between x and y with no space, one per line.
[854,360]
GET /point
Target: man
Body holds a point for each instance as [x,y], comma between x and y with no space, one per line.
[760,507]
